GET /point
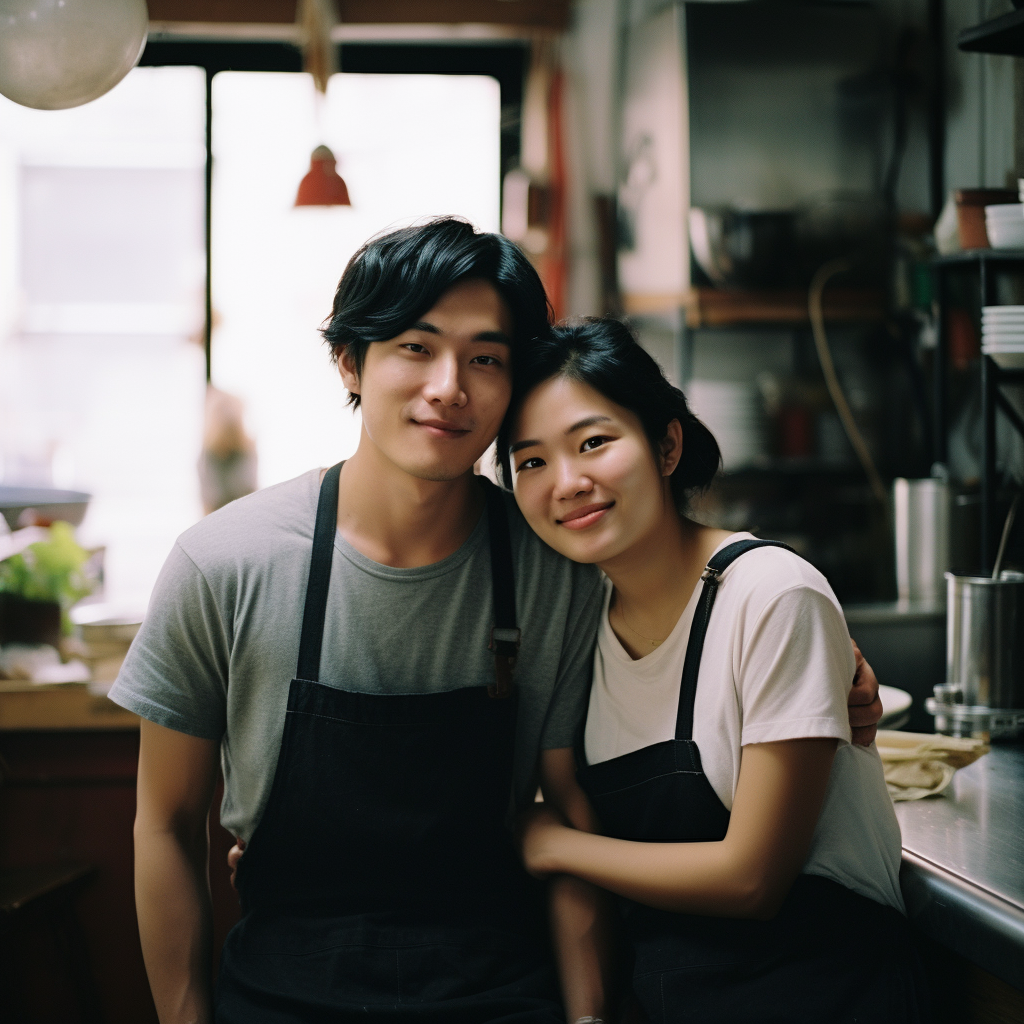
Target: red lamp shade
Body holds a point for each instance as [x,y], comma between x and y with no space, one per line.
[322,185]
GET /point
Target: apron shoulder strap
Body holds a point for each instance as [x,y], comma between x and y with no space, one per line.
[720,561]
[315,612]
[505,634]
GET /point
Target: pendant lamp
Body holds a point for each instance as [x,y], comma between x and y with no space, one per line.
[56,54]
[322,185]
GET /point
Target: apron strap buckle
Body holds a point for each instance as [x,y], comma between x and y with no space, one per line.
[505,644]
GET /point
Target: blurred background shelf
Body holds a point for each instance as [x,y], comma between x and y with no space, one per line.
[727,307]
[734,307]
[1004,34]
[981,256]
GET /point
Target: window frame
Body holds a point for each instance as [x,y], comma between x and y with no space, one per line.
[505,60]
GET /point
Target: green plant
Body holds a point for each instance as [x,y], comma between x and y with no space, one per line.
[49,570]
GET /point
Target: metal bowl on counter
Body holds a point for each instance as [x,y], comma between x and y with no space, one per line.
[750,248]
[783,248]
[106,624]
[41,506]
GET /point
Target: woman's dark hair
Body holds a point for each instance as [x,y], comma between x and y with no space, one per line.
[395,278]
[603,354]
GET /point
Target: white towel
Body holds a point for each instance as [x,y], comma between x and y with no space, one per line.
[923,764]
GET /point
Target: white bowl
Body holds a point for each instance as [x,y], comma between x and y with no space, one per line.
[1006,234]
[1005,211]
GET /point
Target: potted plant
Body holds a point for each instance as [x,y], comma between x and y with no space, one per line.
[39,585]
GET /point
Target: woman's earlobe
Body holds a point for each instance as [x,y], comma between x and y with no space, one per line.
[671,448]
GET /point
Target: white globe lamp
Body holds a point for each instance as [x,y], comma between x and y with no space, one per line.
[63,53]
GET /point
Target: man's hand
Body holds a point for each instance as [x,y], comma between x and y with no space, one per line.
[864,705]
[234,856]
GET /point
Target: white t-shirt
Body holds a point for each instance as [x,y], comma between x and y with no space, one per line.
[777,665]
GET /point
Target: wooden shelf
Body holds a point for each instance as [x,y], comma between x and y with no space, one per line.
[728,307]
[1004,34]
[735,307]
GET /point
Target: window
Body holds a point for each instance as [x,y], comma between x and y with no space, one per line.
[408,147]
[102,370]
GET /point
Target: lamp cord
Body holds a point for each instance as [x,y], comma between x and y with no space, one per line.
[814,304]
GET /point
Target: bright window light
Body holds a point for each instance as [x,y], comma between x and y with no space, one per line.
[408,147]
[102,374]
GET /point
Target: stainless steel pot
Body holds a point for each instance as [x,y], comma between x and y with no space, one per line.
[984,689]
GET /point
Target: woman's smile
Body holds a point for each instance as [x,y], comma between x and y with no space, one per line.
[588,515]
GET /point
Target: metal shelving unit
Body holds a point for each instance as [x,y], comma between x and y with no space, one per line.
[989,263]
[1004,34]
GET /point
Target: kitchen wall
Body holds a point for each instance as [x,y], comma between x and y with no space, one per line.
[732,164]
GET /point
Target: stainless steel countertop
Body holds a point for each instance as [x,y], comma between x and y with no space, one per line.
[963,863]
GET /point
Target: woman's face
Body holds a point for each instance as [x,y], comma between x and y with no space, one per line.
[584,473]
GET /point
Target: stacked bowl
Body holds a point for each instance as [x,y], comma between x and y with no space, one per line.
[1004,224]
[1002,334]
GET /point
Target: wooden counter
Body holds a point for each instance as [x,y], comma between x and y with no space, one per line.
[25,705]
[69,760]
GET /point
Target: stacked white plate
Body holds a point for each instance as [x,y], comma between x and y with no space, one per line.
[1002,335]
[1004,224]
[733,413]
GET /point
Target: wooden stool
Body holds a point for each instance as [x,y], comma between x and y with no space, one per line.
[31,894]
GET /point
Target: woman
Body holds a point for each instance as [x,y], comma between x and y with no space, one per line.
[756,848]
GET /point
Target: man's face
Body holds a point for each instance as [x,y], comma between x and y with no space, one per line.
[432,399]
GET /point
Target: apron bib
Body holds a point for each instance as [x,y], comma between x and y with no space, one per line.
[382,883]
[829,955]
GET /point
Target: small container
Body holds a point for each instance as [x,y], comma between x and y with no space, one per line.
[1004,225]
[984,688]
[921,512]
[970,212]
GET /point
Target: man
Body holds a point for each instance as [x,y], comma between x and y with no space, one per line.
[379,881]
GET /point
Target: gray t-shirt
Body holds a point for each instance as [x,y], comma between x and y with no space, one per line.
[219,645]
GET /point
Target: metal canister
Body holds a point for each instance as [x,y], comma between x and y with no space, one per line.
[921,526]
[984,689]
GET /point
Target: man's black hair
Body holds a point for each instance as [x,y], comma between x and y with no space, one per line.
[395,278]
[602,353]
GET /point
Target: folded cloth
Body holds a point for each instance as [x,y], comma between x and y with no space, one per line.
[919,764]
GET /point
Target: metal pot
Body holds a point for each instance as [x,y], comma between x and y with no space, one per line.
[984,689]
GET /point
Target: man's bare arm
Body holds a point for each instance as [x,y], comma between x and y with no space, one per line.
[580,912]
[177,775]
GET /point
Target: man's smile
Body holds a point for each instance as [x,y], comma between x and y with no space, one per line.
[442,428]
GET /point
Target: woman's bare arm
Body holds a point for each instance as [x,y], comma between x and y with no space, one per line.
[177,774]
[779,795]
[580,913]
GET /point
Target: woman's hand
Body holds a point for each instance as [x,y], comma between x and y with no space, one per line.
[538,829]
[234,856]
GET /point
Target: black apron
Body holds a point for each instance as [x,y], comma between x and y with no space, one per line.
[829,955]
[382,883]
